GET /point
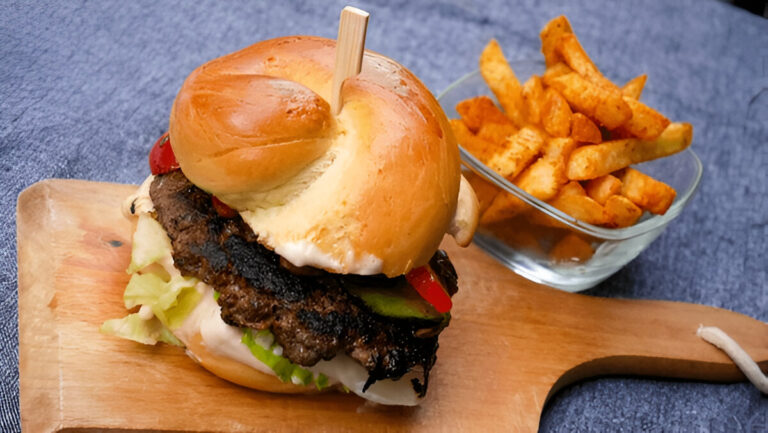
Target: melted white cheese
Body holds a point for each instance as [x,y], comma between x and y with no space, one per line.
[305,253]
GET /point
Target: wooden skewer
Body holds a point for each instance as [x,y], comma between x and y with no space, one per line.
[350,46]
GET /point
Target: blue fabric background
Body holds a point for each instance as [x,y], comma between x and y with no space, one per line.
[86,87]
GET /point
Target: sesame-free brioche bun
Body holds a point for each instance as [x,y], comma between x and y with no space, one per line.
[370,190]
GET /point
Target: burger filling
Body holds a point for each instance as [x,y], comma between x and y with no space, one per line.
[308,315]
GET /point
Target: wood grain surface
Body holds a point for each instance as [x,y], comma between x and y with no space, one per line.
[511,345]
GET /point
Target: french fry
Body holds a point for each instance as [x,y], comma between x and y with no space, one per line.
[634,87]
[497,133]
[533,99]
[603,187]
[621,212]
[554,71]
[594,160]
[502,81]
[647,192]
[522,148]
[604,105]
[550,35]
[573,54]
[645,123]
[556,114]
[573,201]
[559,148]
[514,237]
[571,249]
[584,130]
[484,190]
[542,179]
[478,111]
[481,149]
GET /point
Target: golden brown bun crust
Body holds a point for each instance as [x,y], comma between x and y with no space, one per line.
[241,374]
[255,120]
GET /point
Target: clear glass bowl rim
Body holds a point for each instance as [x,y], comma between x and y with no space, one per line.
[638,229]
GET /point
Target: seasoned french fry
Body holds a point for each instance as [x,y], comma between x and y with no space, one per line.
[594,160]
[647,192]
[634,87]
[542,179]
[514,237]
[604,105]
[571,249]
[522,148]
[645,123]
[533,99]
[559,148]
[481,149]
[556,114]
[478,111]
[502,81]
[621,212]
[573,54]
[497,133]
[554,71]
[584,130]
[573,201]
[603,187]
[550,35]
[484,190]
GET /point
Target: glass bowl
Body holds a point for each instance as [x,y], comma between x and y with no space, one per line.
[525,247]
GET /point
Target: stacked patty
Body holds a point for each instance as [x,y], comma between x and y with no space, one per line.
[310,312]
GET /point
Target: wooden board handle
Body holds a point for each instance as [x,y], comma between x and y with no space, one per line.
[658,338]
[350,46]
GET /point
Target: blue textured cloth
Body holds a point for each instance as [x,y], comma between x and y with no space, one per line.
[86,87]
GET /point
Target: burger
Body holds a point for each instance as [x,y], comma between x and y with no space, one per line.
[291,249]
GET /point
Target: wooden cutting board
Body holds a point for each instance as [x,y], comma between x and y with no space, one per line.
[511,345]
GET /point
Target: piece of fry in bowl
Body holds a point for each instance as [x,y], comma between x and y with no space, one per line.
[603,187]
[550,35]
[584,130]
[621,212]
[573,201]
[634,87]
[645,123]
[502,81]
[607,106]
[542,179]
[533,99]
[477,111]
[522,148]
[514,237]
[559,148]
[556,114]
[557,70]
[497,133]
[484,190]
[647,192]
[594,160]
[481,149]
[571,248]
[573,55]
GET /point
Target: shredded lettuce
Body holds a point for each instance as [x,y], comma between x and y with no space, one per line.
[133,327]
[262,347]
[171,299]
[150,244]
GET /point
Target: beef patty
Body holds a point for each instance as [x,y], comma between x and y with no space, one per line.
[312,317]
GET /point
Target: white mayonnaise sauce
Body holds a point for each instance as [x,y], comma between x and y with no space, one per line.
[305,253]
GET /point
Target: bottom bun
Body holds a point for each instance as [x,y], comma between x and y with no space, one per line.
[241,374]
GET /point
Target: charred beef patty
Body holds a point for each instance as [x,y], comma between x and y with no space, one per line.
[312,317]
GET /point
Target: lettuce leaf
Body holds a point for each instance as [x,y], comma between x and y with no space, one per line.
[133,327]
[150,244]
